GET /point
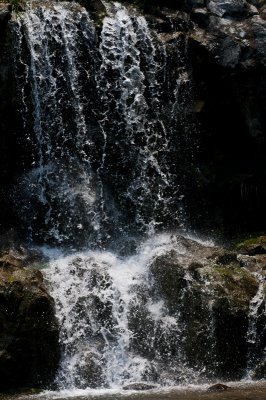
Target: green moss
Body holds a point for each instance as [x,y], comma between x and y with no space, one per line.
[11,279]
[35,390]
[222,271]
[249,242]
[234,271]
[238,284]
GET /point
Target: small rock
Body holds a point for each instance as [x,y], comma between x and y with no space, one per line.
[218,387]
[230,8]
[139,386]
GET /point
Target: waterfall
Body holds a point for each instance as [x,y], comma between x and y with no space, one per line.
[134,100]
[114,330]
[99,115]
[107,138]
[100,120]
[256,309]
[61,191]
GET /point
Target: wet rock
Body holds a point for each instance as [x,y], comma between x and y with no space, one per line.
[29,348]
[256,263]
[209,292]
[253,246]
[96,9]
[5,13]
[201,17]
[89,371]
[223,8]
[218,387]
[139,386]
[260,371]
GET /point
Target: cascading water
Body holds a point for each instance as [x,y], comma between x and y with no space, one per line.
[107,149]
[256,309]
[133,98]
[102,123]
[101,302]
[105,146]
[61,191]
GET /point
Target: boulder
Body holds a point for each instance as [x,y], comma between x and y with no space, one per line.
[218,387]
[253,246]
[223,8]
[29,348]
[208,291]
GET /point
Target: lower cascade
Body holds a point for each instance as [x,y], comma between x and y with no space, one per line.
[105,116]
[114,329]
[177,311]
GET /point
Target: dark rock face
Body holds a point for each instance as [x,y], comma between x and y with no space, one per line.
[29,348]
[227,48]
[10,153]
[226,43]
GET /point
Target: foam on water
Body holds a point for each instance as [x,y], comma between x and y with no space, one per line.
[98,295]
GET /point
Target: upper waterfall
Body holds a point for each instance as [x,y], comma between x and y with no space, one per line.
[103,123]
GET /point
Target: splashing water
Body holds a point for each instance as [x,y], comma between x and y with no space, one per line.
[104,151]
[256,308]
[102,302]
[61,191]
[133,99]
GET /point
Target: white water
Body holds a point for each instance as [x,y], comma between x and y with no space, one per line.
[61,182]
[102,144]
[130,54]
[98,296]
[101,123]
[256,308]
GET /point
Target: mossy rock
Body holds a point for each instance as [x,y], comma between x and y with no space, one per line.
[252,246]
[169,278]
[237,284]
[29,344]
[209,293]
